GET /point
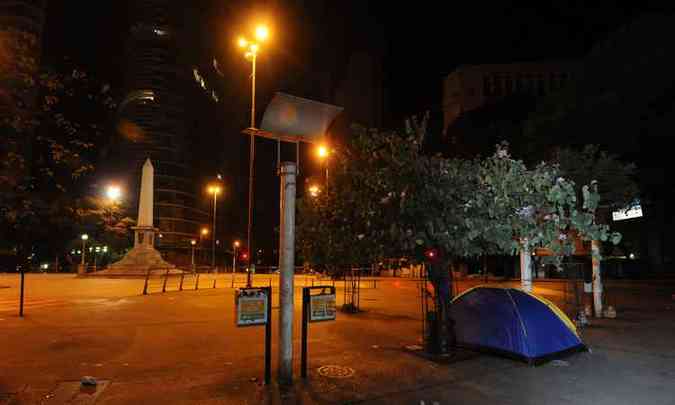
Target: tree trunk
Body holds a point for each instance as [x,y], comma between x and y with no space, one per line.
[443,327]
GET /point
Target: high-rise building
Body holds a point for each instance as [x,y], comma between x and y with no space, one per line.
[473,86]
[151,123]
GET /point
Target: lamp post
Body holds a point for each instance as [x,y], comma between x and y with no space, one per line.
[322,152]
[84,244]
[234,259]
[113,192]
[202,234]
[215,190]
[251,53]
[193,243]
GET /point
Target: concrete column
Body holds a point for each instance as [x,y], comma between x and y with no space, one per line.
[597,278]
[525,268]
[287,173]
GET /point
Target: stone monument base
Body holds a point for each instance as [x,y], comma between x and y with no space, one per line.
[137,263]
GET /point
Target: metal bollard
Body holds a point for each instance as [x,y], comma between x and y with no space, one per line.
[145,287]
[166,277]
[214,283]
[197,282]
[180,287]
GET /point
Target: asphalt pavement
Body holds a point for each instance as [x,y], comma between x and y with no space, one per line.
[182,347]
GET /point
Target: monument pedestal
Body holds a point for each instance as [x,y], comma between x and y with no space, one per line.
[143,257]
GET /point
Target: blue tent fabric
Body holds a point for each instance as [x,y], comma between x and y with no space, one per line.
[513,322]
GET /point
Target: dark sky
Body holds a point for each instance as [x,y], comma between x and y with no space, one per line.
[419,42]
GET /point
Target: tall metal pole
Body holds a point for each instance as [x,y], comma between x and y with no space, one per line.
[234,263]
[253,91]
[213,237]
[287,173]
[23,276]
[84,244]
[251,162]
[193,257]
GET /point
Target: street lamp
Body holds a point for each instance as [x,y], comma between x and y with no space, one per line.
[251,53]
[193,243]
[314,190]
[234,259]
[84,243]
[322,152]
[113,192]
[202,235]
[215,190]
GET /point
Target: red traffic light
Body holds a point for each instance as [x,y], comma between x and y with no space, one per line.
[431,254]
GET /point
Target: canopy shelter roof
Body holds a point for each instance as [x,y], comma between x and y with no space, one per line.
[295,119]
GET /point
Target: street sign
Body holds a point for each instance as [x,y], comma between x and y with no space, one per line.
[322,307]
[251,306]
[315,308]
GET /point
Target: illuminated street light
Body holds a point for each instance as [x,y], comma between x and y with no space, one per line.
[251,53]
[214,189]
[261,33]
[193,243]
[84,244]
[314,190]
[205,231]
[234,259]
[322,152]
[113,192]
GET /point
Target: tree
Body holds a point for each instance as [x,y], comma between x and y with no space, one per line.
[51,122]
[386,198]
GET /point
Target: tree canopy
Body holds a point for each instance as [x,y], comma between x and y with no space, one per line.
[386,198]
[51,122]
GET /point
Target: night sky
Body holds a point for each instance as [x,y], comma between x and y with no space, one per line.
[418,43]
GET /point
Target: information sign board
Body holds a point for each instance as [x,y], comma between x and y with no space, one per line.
[322,307]
[251,306]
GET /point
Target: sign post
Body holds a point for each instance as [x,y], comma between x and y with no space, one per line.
[253,306]
[315,308]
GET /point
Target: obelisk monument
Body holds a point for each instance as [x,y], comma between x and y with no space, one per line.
[143,257]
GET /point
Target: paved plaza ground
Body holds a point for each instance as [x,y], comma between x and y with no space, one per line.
[183,347]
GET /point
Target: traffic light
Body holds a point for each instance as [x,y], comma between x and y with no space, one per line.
[244,256]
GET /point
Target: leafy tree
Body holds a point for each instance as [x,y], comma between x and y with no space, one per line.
[386,198]
[51,121]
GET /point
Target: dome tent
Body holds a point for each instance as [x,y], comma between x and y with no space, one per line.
[514,323]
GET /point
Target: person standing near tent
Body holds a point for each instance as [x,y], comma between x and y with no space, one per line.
[438,269]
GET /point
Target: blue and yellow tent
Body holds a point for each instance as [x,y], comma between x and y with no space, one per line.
[513,322]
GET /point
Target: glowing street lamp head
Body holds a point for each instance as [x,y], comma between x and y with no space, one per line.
[236,243]
[193,242]
[214,189]
[113,192]
[205,231]
[322,151]
[262,32]
[314,190]
[242,42]
[85,236]
[253,49]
